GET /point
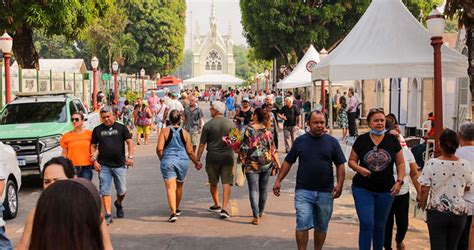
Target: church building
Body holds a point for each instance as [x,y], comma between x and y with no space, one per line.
[213,53]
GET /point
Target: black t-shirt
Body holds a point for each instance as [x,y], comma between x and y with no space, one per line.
[316,156]
[378,159]
[291,115]
[247,115]
[111,142]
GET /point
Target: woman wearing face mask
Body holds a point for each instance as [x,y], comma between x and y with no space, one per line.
[76,146]
[372,157]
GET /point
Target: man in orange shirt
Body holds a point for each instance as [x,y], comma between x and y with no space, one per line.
[76,147]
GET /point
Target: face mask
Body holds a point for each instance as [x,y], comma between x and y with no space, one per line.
[376,132]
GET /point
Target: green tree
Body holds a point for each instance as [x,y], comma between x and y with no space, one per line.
[105,33]
[464,11]
[125,49]
[54,17]
[55,46]
[247,65]
[284,29]
[159,28]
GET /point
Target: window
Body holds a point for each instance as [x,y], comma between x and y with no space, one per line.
[79,106]
[43,112]
[213,61]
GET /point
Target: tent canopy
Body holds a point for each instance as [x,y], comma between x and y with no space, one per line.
[222,79]
[301,75]
[387,42]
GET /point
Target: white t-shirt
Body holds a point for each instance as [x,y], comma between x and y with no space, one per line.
[409,158]
[447,181]
[160,111]
[467,153]
[175,104]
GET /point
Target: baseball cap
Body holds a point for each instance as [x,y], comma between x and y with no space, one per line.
[246,99]
[175,94]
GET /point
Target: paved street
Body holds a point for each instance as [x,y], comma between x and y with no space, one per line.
[145,224]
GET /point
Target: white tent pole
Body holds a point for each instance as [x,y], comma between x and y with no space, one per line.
[330,108]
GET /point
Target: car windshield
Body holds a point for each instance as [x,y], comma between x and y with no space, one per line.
[34,112]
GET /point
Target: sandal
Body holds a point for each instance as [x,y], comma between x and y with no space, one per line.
[255,221]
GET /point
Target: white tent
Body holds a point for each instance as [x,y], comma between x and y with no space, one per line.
[216,79]
[387,42]
[301,75]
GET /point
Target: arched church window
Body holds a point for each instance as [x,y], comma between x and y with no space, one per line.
[213,61]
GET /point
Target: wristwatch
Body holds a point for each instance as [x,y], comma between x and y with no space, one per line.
[400,181]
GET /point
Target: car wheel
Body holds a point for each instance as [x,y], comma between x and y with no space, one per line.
[11,200]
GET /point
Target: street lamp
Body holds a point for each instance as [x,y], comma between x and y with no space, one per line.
[436,24]
[6,44]
[323,54]
[267,75]
[95,64]
[142,74]
[115,67]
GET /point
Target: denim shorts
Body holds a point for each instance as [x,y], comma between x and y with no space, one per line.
[313,210]
[174,169]
[118,175]
[85,172]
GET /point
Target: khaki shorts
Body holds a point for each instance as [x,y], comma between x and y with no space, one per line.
[195,138]
[216,172]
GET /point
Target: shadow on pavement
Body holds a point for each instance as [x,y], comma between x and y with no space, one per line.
[169,241]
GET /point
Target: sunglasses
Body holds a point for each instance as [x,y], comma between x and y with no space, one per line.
[75,119]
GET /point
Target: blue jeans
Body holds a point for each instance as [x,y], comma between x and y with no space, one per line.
[5,243]
[258,183]
[118,175]
[85,172]
[372,209]
[313,210]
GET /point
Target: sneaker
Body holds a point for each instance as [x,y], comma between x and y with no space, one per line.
[224,214]
[261,214]
[119,207]
[173,218]
[215,208]
[178,212]
[108,219]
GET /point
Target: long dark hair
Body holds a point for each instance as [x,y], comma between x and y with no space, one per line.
[342,101]
[262,117]
[68,216]
[448,141]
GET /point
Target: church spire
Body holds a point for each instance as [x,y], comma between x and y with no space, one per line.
[229,31]
[212,21]
[213,10]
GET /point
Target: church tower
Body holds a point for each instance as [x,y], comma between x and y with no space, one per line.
[213,53]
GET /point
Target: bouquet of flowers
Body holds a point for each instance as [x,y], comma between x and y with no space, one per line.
[234,139]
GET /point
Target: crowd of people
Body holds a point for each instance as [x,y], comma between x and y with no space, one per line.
[383,164]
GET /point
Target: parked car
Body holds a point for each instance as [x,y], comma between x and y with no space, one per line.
[9,197]
[34,123]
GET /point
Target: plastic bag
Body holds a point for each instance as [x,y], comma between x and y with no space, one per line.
[239,176]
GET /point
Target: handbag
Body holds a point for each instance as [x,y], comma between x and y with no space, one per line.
[240,176]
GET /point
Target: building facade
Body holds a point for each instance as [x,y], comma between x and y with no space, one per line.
[213,52]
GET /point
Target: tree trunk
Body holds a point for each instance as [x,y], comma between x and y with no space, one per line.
[470,45]
[24,48]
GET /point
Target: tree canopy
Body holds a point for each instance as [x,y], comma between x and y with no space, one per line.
[284,29]
[158,27]
[69,18]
